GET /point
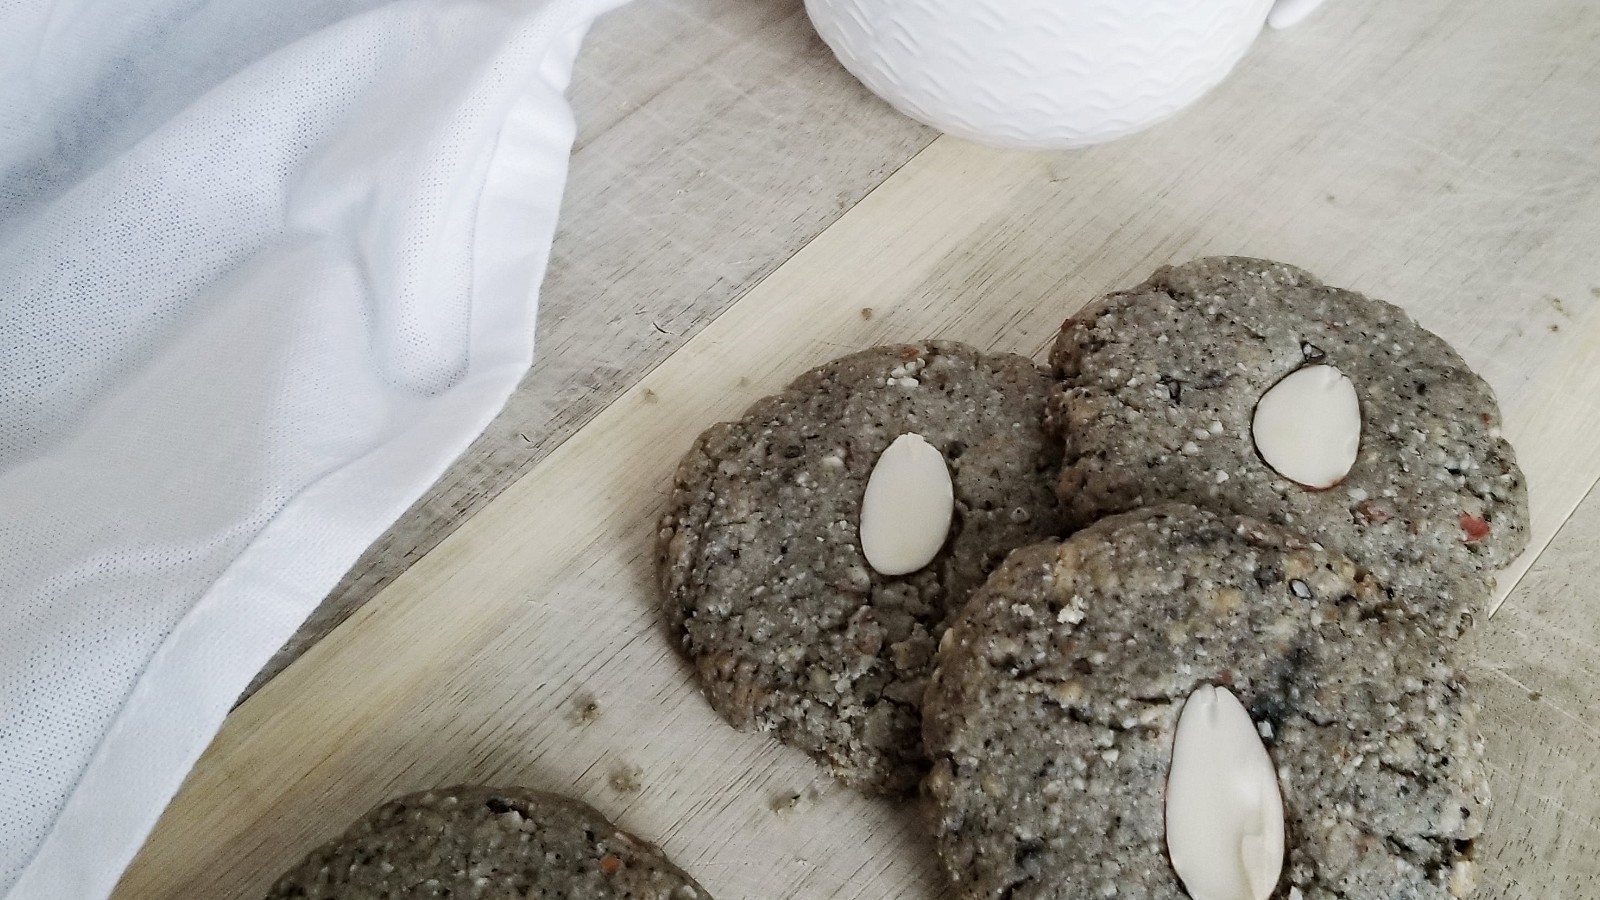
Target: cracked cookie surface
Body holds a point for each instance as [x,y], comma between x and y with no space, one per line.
[1051,713]
[1159,385]
[789,629]
[490,843]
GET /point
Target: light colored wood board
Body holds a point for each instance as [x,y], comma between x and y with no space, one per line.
[466,667]
[1538,676]
[715,137]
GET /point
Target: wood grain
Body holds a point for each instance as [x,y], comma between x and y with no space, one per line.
[715,138]
[1538,679]
[1435,153]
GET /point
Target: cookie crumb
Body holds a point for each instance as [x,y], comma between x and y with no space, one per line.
[793,801]
[583,709]
[626,778]
[785,803]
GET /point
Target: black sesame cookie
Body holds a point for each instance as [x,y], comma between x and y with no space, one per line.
[489,843]
[1159,385]
[790,629]
[1050,717]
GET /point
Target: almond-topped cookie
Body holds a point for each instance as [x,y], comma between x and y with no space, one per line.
[1250,387]
[489,843]
[812,550]
[1108,715]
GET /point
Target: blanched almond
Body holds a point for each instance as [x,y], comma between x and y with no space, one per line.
[1308,426]
[906,512]
[1224,810]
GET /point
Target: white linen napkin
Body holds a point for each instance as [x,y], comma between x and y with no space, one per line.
[266,268]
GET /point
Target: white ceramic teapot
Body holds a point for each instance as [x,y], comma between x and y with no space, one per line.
[1044,73]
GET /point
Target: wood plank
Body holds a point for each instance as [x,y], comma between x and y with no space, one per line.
[715,138]
[468,667]
[1538,677]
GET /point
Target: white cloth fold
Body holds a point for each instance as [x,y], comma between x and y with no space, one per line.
[265,270]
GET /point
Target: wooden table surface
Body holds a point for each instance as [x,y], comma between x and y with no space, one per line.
[739,209]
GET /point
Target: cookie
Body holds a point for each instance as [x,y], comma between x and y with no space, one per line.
[1159,385]
[790,630]
[1050,717]
[489,843]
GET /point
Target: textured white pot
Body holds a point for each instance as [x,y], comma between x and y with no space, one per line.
[1044,73]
